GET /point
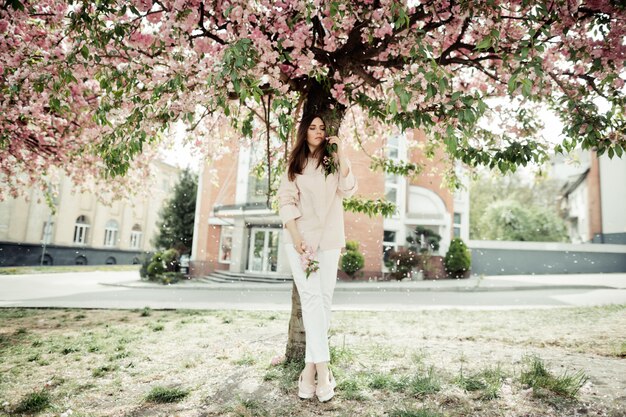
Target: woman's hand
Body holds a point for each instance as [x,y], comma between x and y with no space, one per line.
[299,244]
[335,139]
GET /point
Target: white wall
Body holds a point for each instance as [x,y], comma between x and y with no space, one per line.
[613,194]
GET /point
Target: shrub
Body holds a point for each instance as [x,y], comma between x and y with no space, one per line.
[402,263]
[352,245]
[170,277]
[155,269]
[146,260]
[457,260]
[352,261]
[170,259]
[164,267]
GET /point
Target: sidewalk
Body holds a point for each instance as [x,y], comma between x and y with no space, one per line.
[473,284]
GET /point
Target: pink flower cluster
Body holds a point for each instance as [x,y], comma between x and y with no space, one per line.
[170,64]
[308,262]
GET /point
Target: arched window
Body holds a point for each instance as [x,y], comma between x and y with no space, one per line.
[110,261]
[135,237]
[81,229]
[47,260]
[110,233]
[80,260]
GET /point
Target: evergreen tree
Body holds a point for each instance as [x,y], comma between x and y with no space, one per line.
[177,215]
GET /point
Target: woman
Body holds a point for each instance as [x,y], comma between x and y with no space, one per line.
[310,206]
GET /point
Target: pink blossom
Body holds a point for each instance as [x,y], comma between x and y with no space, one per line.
[277,360]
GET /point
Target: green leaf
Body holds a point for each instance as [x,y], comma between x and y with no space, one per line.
[55,104]
[15,4]
[443,84]
[393,107]
[526,87]
[485,43]
[84,51]
[524,53]
[512,84]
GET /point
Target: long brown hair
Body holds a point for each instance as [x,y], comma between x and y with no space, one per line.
[301,151]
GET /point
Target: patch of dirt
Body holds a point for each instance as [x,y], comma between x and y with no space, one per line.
[104,362]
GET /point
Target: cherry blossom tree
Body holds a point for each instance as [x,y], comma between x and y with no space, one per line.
[90,86]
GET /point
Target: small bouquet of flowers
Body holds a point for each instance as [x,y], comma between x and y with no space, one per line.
[330,166]
[308,262]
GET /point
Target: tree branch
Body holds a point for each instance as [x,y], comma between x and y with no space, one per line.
[205,32]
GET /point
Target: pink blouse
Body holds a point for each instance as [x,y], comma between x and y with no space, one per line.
[316,203]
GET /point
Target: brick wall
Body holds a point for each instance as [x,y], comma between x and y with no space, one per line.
[595,202]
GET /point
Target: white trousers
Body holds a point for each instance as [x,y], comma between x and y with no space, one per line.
[316,296]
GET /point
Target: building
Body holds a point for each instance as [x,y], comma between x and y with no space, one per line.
[83,230]
[593,201]
[236,231]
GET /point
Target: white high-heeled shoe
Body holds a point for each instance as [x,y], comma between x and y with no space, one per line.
[326,394]
[305,391]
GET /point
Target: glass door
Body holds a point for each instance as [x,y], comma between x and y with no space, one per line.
[263,254]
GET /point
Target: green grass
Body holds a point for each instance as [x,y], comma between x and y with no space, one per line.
[288,377]
[69,349]
[341,355]
[102,370]
[271,374]
[351,389]
[388,381]
[488,382]
[540,379]
[421,385]
[245,360]
[22,270]
[414,412]
[251,407]
[34,402]
[166,395]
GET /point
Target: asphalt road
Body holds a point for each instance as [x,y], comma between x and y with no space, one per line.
[99,290]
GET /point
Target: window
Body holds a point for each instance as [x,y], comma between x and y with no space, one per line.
[110,233]
[81,229]
[391,195]
[389,244]
[391,191]
[135,237]
[110,261]
[46,232]
[80,260]
[226,244]
[457,224]
[257,179]
[392,151]
[393,148]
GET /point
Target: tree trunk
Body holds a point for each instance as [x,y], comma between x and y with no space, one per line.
[319,101]
[296,343]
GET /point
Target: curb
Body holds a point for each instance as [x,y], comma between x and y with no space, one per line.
[283,287]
